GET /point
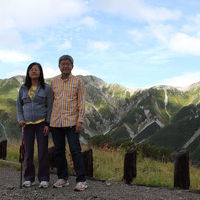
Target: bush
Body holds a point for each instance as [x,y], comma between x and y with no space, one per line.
[144,149]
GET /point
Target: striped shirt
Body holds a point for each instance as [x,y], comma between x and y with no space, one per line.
[69,102]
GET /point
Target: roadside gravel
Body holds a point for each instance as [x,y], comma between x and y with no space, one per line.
[97,190]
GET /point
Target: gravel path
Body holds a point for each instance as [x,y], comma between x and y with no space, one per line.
[97,190]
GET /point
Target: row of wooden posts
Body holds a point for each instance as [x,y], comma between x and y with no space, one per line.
[181,165]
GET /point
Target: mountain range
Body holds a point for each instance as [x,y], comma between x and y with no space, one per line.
[161,115]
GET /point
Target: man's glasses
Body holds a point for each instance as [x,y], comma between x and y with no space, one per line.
[66,64]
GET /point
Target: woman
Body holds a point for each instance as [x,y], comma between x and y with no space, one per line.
[34,104]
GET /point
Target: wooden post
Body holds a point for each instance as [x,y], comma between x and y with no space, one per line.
[88,162]
[181,169]
[130,170]
[3,149]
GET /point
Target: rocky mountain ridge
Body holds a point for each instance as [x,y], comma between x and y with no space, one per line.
[141,115]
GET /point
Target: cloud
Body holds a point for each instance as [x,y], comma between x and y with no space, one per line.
[89,22]
[160,31]
[9,56]
[183,80]
[22,17]
[160,58]
[66,45]
[9,37]
[138,9]
[35,13]
[78,71]
[15,73]
[186,44]
[155,56]
[168,38]
[98,45]
[192,25]
[137,35]
[50,71]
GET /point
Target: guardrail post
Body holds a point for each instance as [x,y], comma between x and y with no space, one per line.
[3,149]
[130,170]
[181,169]
[88,162]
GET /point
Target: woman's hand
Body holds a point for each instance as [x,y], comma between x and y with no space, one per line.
[22,123]
[46,130]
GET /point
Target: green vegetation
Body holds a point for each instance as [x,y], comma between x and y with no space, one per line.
[116,91]
[9,121]
[117,134]
[146,133]
[175,135]
[144,149]
[183,125]
[177,100]
[105,111]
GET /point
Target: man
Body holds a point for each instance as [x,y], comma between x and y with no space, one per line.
[66,120]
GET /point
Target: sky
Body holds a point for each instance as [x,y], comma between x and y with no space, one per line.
[135,43]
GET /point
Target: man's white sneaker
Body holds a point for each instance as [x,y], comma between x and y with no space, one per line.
[80,186]
[28,184]
[61,183]
[44,184]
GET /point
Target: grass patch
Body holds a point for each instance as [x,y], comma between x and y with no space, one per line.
[154,173]
[108,165]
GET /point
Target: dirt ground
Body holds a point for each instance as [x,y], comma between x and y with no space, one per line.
[97,190]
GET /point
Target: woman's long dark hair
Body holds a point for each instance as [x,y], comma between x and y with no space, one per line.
[28,82]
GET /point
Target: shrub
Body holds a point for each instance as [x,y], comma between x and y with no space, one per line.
[144,149]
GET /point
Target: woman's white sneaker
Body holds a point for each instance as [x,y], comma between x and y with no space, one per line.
[44,184]
[28,183]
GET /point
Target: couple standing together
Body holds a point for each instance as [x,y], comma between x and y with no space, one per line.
[59,108]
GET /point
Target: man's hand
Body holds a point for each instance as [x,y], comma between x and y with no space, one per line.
[78,127]
[46,130]
[22,123]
